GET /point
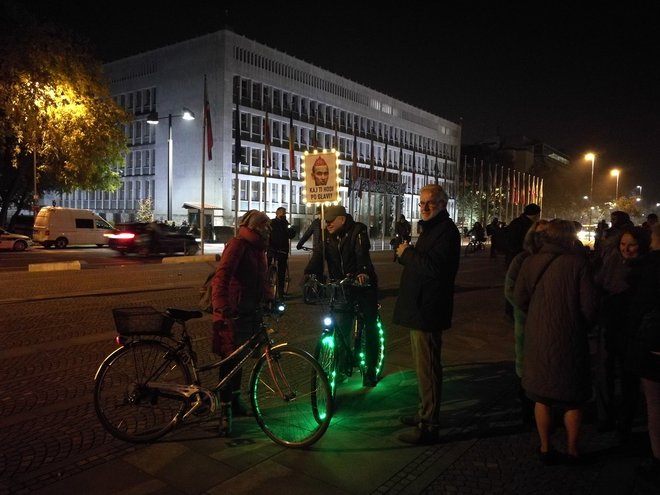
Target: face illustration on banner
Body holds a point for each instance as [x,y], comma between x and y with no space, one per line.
[320,172]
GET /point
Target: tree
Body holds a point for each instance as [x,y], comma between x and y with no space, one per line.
[57,117]
[145,211]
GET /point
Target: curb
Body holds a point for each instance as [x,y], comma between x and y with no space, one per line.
[56,266]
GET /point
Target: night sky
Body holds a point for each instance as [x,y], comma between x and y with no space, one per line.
[581,78]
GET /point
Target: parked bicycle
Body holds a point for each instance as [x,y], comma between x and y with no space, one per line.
[338,353]
[152,382]
[273,274]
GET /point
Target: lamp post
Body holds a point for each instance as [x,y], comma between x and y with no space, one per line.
[153,119]
[592,157]
[640,191]
[615,172]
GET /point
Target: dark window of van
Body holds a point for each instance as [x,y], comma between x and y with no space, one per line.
[103,225]
[84,223]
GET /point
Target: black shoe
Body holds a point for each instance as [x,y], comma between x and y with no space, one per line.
[369,379]
[412,420]
[420,436]
[239,408]
[226,420]
[549,458]
[650,470]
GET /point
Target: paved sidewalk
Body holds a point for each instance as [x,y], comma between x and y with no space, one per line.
[484,448]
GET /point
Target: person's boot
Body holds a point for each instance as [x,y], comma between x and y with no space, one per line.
[238,407]
[225,425]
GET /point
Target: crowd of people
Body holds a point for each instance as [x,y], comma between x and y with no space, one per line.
[565,296]
[562,297]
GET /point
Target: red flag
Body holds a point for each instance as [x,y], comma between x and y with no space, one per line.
[414,166]
[292,156]
[354,170]
[371,169]
[267,141]
[207,124]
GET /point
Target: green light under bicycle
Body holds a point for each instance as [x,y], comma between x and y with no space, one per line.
[328,341]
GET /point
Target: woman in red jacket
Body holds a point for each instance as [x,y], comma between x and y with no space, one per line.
[240,288]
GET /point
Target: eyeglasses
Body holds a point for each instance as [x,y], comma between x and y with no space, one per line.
[431,204]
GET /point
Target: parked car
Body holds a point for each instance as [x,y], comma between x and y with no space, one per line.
[151,238]
[15,242]
[61,227]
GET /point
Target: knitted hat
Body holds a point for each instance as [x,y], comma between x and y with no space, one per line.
[253,218]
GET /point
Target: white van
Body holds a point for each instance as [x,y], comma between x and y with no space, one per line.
[59,227]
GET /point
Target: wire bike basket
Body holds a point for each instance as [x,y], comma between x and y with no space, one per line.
[142,320]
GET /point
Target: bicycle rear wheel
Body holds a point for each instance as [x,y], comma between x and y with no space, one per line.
[326,355]
[126,402]
[290,397]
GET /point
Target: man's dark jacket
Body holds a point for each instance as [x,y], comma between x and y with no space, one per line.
[347,253]
[426,293]
[280,234]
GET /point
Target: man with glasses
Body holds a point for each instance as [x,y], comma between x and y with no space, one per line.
[425,305]
[347,253]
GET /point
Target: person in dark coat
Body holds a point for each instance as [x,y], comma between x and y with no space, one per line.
[425,305]
[278,247]
[239,289]
[346,250]
[314,231]
[556,289]
[643,357]
[516,230]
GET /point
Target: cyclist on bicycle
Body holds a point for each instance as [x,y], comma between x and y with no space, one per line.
[240,288]
[346,251]
[478,232]
[278,246]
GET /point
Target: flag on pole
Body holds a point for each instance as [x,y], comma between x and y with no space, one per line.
[336,126]
[385,159]
[316,121]
[414,167]
[267,146]
[237,137]
[207,124]
[371,166]
[354,166]
[292,155]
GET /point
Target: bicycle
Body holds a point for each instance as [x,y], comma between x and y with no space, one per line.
[337,353]
[152,382]
[474,245]
[313,289]
[273,273]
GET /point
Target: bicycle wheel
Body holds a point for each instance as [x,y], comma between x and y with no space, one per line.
[272,279]
[127,404]
[325,355]
[286,280]
[291,397]
[360,346]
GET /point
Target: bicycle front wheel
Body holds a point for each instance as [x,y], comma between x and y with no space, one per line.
[326,355]
[290,397]
[272,280]
[127,401]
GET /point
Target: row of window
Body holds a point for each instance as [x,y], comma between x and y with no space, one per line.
[258,95]
[138,102]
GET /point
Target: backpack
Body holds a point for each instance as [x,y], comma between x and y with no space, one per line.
[206,294]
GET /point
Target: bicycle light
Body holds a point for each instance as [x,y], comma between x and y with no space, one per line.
[327,321]
[121,340]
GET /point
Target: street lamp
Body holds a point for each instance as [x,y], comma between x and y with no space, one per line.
[153,119]
[592,157]
[615,172]
[640,191]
